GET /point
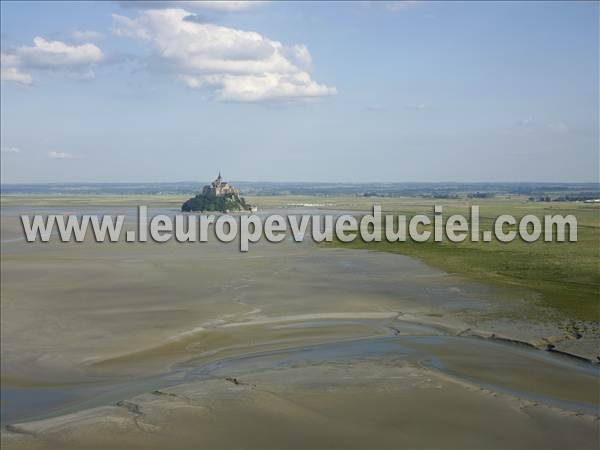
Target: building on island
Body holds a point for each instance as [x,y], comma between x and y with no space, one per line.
[219,188]
[218,196]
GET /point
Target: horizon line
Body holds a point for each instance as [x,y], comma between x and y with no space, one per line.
[293,181]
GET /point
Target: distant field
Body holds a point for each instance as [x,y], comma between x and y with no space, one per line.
[70,200]
[567,275]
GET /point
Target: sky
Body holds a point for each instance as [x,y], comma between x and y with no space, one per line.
[158,91]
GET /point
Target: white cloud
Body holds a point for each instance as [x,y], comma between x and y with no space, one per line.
[418,107]
[527,121]
[395,6]
[530,124]
[11,150]
[11,70]
[201,5]
[559,127]
[86,35]
[235,65]
[62,155]
[57,54]
[74,60]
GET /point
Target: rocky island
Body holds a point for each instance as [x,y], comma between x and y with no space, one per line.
[217,196]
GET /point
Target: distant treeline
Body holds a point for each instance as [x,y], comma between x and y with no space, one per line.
[534,191]
[578,197]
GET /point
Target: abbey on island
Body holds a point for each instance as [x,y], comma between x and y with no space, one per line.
[218,196]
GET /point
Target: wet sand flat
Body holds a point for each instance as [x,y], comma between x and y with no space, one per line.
[348,395]
[90,330]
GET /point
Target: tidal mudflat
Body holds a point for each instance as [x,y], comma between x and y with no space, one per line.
[290,345]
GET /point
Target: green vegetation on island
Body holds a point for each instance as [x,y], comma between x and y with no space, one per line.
[202,202]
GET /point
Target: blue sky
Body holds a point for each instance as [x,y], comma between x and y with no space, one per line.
[360,91]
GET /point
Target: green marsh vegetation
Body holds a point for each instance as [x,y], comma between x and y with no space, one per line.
[565,274]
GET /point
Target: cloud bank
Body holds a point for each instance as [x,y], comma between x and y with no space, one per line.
[62,155]
[201,5]
[11,150]
[234,65]
[86,35]
[74,60]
